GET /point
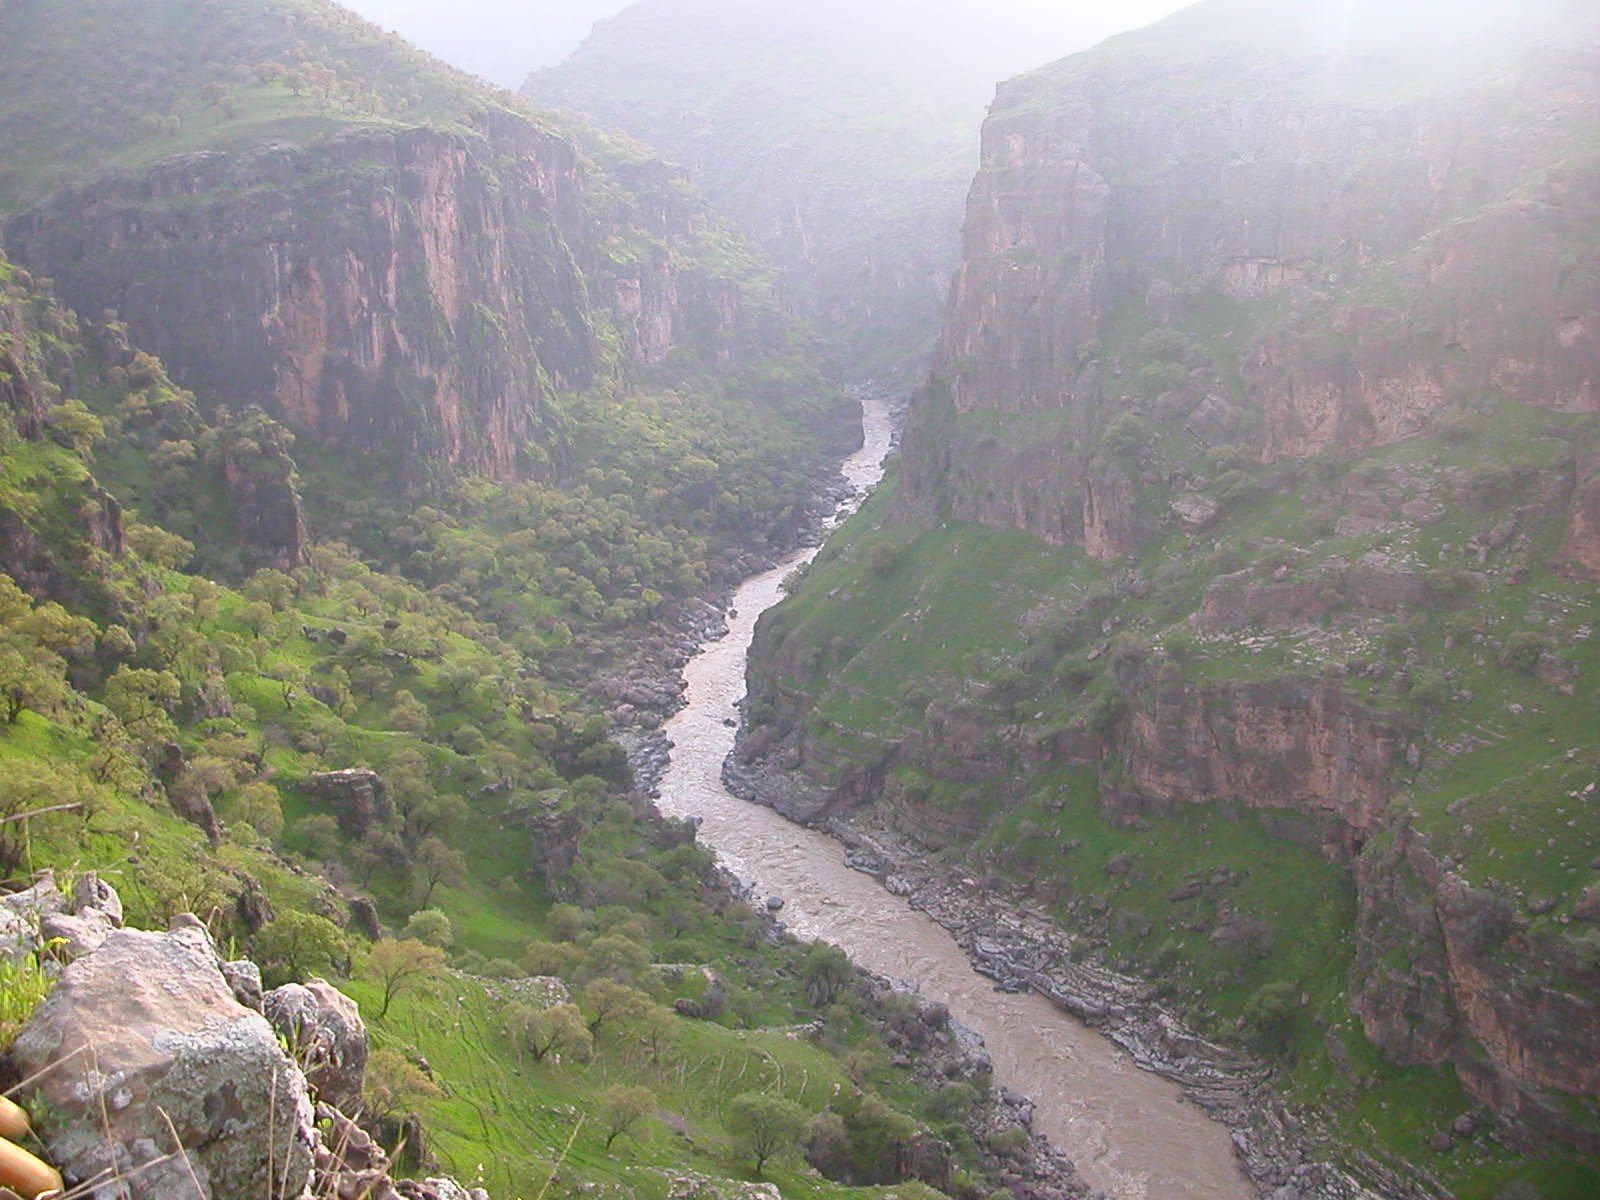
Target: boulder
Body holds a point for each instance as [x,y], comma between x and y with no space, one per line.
[76,934]
[358,797]
[93,892]
[42,914]
[141,1049]
[326,1035]
[1195,511]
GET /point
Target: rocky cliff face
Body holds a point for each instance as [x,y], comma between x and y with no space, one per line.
[415,292]
[1377,236]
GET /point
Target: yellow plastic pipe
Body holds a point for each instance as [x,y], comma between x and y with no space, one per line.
[25,1174]
[13,1120]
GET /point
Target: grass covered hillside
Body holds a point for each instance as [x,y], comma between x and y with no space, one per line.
[89,86]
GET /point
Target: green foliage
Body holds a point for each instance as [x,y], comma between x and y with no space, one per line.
[622,1106]
[296,945]
[431,927]
[824,971]
[540,1032]
[765,1127]
[393,1083]
[402,966]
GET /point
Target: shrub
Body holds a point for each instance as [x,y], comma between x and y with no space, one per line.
[1521,651]
[882,558]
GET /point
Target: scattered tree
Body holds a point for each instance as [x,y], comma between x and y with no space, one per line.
[543,1031]
[431,927]
[401,966]
[622,1106]
[298,944]
[764,1126]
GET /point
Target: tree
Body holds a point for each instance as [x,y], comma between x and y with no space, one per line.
[764,1126]
[379,850]
[271,587]
[391,1082]
[298,944]
[258,806]
[543,1031]
[31,677]
[321,835]
[825,970]
[658,1029]
[437,863]
[540,957]
[609,1000]
[407,715]
[157,546]
[622,1106]
[431,927]
[1269,1015]
[142,700]
[614,956]
[401,966]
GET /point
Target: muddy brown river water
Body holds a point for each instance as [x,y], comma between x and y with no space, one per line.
[1130,1132]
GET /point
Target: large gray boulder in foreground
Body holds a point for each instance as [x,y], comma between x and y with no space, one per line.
[141,1042]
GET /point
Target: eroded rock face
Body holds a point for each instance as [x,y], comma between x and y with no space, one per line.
[357,796]
[1355,235]
[1447,971]
[1580,549]
[1294,744]
[409,293]
[145,1030]
[326,1035]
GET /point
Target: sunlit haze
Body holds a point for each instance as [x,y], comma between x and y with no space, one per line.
[503,40]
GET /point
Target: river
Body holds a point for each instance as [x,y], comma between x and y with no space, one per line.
[1129,1132]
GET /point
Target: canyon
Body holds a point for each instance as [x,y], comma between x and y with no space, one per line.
[1201,707]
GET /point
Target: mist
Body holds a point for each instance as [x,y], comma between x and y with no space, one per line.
[504,41]
[498,40]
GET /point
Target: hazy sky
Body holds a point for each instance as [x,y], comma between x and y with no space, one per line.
[503,40]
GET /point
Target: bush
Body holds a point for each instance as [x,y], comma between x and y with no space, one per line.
[882,558]
[1522,651]
[431,927]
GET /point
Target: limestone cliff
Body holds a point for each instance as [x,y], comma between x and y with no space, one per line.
[296,211]
[1383,213]
[420,293]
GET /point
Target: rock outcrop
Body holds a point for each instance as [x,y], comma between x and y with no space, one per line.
[149,1071]
[412,294]
[326,1036]
[358,797]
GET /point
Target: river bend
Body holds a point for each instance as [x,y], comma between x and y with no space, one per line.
[1129,1132]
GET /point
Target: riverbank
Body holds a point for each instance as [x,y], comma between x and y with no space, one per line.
[645,687]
